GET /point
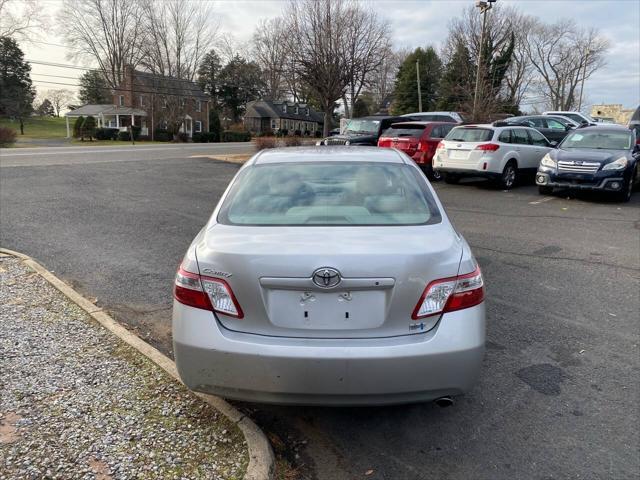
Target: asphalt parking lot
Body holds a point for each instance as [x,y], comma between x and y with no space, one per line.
[558,397]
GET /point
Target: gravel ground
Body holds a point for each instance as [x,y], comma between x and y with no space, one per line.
[75,402]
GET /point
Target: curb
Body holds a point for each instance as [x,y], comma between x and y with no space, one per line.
[261,459]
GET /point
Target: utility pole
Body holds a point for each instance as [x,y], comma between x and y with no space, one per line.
[419,92]
[584,74]
[484,7]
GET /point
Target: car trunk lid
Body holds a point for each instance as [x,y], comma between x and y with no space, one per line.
[382,270]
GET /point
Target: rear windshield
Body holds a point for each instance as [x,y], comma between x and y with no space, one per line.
[329,193]
[404,131]
[470,134]
[598,140]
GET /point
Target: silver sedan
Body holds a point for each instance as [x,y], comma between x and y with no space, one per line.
[329,276]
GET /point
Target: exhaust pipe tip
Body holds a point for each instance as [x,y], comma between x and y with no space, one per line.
[444,402]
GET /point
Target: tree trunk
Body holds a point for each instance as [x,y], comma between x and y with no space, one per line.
[21,126]
[327,122]
[346,107]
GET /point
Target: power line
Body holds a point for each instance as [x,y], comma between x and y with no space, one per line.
[162,78]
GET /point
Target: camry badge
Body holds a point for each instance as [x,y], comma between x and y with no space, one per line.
[326,277]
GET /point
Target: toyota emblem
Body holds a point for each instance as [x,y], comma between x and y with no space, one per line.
[326,277]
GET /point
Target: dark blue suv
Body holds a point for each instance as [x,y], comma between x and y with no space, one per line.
[593,158]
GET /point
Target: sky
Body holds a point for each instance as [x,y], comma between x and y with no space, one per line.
[414,23]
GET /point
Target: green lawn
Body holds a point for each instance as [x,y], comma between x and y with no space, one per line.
[38,127]
[95,143]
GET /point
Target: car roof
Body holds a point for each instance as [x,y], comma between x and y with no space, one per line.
[375,117]
[429,113]
[326,154]
[609,127]
[422,123]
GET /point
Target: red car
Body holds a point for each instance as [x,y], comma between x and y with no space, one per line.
[418,140]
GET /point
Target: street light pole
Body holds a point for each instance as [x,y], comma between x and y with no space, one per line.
[419,93]
[484,7]
[584,74]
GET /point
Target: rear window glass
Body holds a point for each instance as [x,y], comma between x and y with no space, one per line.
[467,134]
[329,193]
[403,131]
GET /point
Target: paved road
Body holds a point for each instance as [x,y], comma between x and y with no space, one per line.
[83,155]
[558,397]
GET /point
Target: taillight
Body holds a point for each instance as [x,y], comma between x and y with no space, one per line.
[440,145]
[488,147]
[450,294]
[207,293]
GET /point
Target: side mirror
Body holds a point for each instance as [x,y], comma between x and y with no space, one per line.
[567,128]
[553,144]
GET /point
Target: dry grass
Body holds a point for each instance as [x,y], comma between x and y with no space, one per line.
[262,143]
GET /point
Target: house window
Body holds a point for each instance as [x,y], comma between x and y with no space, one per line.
[164,102]
[198,126]
[183,102]
[273,124]
[307,110]
[198,105]
[297,111]
[284,108]
[141,99]
[121,100]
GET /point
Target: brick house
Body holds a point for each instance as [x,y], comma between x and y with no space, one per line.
[166,102]
[264,116]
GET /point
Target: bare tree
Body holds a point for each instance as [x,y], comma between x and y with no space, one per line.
[177,36]
[521,73]
[269,51]
[21,20]
[107,32]
[60,99]
[564,55]
[316,39]
[382,80]
[367,45]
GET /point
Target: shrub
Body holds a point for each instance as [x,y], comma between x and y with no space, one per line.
[182,137]
[231,136]
[161,135]
[214,125]
[88,128]
[318,134]
[7,136]
[262,143]
[77,127]
[106,134]
[199,138]
[136,131]
[292,141]
[297,133]
[124,136]
[307,133]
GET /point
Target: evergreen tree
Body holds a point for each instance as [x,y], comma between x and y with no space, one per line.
[16,90]
[240,82]
[457,84]
[214,124]
[406,86]
[208,77]
[77,127]
[46,109]
[89,128]
[361,108]
[94,89]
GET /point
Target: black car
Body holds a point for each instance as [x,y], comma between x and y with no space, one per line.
[552,127]
[362,131]
[593,158]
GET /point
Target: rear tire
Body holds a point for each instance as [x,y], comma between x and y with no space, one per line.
[509,177]
[545,190]
[451,178]
[433,175]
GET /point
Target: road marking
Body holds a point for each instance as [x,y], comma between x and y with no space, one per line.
[545,199]
[116,150]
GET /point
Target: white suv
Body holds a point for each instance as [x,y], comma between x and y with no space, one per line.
[579,118]
[500,153]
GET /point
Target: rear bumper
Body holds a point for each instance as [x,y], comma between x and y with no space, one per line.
[546,178]
[469,172]
[444,361]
